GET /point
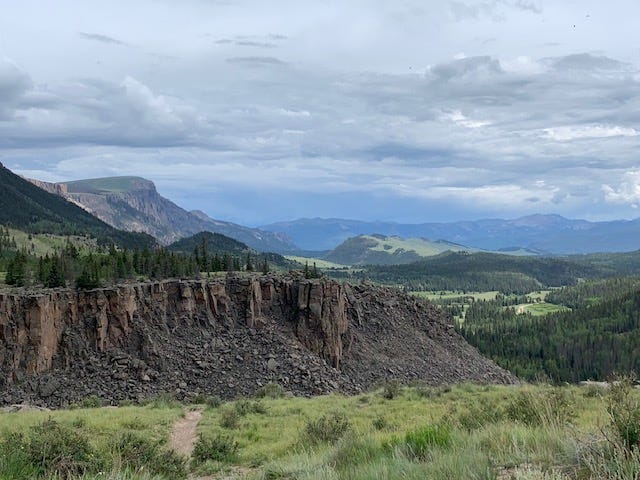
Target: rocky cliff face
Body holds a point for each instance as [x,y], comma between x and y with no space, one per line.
[140,208]
[226,336]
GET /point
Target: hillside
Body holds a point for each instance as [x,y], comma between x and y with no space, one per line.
[388,250]
[221,245]
[32,209]
[460,271]
[134,204]
[225,336]
[551,234]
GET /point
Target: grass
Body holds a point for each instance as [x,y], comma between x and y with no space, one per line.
[445,295]
[463,431]
[322,264]
[423,247]
[539,309]
[46,244]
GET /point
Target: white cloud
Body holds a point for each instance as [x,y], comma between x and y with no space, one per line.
[578,132]
[627,192]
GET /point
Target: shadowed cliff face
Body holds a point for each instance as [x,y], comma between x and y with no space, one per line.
[226,336]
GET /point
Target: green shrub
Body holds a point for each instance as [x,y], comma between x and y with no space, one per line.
[245,407]
[136,452]
[391,389]
[624,414]
[211,401]
[541,407]
[380,423]
[220,448]
[420,442]
[229,418]
[354,451]
[51,449]
[92,401]
[271,390]
[480,413]
[328,428]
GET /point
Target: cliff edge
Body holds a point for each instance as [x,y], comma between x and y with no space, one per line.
[226,336]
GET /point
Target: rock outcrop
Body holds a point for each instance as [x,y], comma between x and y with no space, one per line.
[135,205]
[226,336]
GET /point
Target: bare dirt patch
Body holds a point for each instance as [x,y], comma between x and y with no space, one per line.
[184,434]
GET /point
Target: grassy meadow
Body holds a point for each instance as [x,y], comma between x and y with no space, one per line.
[460,432]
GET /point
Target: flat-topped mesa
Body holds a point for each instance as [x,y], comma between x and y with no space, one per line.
[227,335]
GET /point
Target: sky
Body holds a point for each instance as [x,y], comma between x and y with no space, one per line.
[399,110]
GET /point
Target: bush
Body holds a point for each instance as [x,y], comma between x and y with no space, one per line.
[420,442]
[51,449]
[229,418]
[220,448]
[624,414]
[92,401]
[354,451]
[328,428]
[391,389]
[480,413]
[543,407]
[135,452]
[245,407]
[211,401]
[271,390]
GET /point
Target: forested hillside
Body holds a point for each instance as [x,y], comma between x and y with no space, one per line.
[599,336]
[478,272]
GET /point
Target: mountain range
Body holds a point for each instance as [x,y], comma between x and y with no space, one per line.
[134,204]
[541,234]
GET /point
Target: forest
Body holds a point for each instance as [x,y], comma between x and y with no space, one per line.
[599,336]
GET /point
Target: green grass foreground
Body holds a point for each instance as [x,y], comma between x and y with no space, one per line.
[461,432]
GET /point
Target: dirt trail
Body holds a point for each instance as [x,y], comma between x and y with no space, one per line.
[184,434]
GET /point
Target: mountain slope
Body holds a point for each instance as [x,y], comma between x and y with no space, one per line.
[221,245]
[388,250]
[27,207]
[541,233]
[133,203]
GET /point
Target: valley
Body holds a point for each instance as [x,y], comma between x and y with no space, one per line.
[346,349]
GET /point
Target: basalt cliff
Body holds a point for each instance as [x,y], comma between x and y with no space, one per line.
[226,336]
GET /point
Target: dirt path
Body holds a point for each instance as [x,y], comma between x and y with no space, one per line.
[184,435]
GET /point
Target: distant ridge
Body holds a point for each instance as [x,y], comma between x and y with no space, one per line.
[133,204]
[388,250]
[543,234]
[27,207]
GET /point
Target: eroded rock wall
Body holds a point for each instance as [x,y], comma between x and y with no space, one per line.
[226,336]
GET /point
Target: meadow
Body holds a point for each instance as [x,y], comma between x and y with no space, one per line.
[419,432]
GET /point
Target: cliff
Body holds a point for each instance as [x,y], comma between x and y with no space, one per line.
[133,204]
[228,336]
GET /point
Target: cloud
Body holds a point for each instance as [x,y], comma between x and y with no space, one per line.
[473,68]
[96,37]
[569,133]
[256,61]
[587,61]
[627,192]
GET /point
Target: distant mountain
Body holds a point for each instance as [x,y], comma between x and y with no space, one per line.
[535,233]
[133,204]
[27,207]
[388,250]
[218,244]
